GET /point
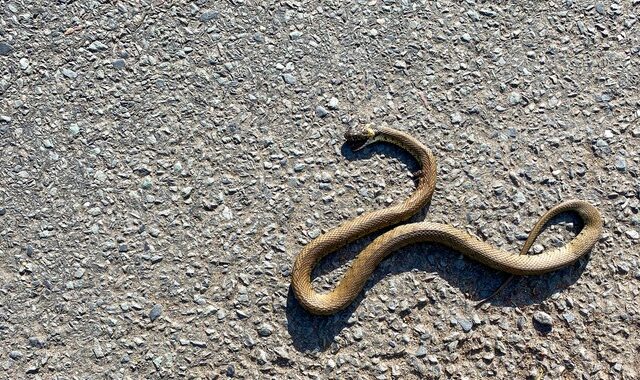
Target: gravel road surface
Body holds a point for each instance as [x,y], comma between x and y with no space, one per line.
[162,163]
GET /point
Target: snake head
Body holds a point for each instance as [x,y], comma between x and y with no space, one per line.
[360,136]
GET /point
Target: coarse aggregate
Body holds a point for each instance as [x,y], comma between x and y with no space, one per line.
[162,163]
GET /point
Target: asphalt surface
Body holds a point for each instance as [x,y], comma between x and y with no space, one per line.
[162,164]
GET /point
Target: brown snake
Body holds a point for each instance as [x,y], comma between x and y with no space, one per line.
[366,262]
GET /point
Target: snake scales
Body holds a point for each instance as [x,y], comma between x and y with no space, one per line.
[366,262]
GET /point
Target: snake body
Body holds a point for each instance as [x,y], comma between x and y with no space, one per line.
[367,260]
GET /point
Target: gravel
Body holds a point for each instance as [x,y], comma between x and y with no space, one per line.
[5,48]
[162,164]
[155,313]
[543,318]
[321,111]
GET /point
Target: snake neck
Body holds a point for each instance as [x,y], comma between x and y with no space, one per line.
[376,220]
[424,157]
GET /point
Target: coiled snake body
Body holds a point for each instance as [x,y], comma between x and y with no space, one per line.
[366,262]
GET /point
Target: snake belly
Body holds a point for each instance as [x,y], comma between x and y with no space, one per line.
[369,258]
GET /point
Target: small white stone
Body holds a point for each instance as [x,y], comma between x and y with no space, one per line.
[515,98]
[226,213]
[456,118]
[633,234]
[400,64]
[79,273]
[100,176]
[537,248]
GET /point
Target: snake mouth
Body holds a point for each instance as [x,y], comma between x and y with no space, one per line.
[357,143]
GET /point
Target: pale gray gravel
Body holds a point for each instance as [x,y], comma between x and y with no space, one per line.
[161,164]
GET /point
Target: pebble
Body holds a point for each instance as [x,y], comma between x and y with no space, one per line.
[227,214]
[333,103]
[118,63]
[265,330]
[15,355]
[543,318]
[421,352]
[621,163]
[456,118]
[79,273]
[515,98]
[97,349]
[321,111]
[289,79]
[314,233]
[465,324]
[330,366]
[36,342]
[537,248]
[487,12]
[155,313]
[96,46]
[262,357]
[520,322]
[24,63]
[69,73]
[633,234]
[603,146]
[569,317]
[5,48]
[146,184]
[100,176]
[209,15]
[400,64]
[358,333]
[282,353]
[186,192]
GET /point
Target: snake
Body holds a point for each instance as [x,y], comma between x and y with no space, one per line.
[403,235]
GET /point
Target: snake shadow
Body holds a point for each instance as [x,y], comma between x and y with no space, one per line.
[312,333]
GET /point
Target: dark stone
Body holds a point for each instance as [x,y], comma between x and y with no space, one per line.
[5,48]
[155,313]
[118,63]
